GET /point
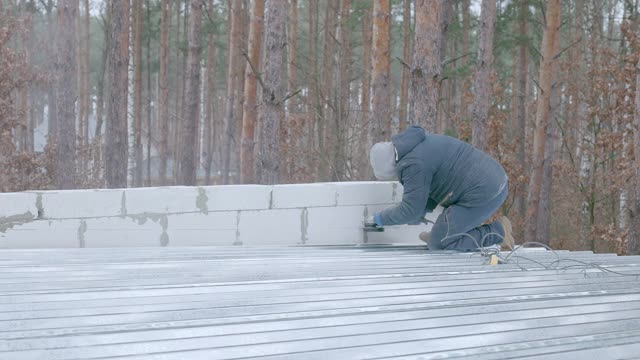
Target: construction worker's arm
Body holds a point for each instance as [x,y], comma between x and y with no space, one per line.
[417,182]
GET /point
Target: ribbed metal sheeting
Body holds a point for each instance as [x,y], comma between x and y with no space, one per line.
[351,302]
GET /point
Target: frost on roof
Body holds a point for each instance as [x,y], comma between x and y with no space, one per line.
[343,302]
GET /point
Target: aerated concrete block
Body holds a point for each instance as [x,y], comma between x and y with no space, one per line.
[162,200]
[127,232]
[212,229]
[42,234]
[335,225]
[74,204]
[403,234]
[18,206]
[237,197]
[365,193]
[270,227]
[304,195]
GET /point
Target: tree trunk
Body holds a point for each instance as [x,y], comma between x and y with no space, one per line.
[66,94]
[339,126]
[268,156]
[209,101]
[326,106]
[289,138]
[187,167]
[232,74]
[79,51]
[243,35]
[466,33]
[521,115]
[149,92]
[137,95]
[52,131]
[250,92]
[444,121]
[543,233]
[165,30]
[406,54]
[633,245]
[87,70]
[426,66]
[313,99]
[542,117]
[117,143]
[380,95]
[482,84]
[101,77]
[177,115]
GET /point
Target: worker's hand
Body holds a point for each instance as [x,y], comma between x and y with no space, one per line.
[374,220]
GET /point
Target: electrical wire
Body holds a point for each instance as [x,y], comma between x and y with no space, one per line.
[514,258]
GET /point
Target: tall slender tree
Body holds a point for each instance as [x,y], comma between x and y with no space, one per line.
[187,166]
[230,115]
[87,70]
[117,143]
[272,112]
[66,94]
[250,93]
[521,100]
[543,231]
[52,131]
[100,93]
[380,96]
[542,116]
[484,66]
[633,245]
[339,126]
[165,30]
[426,66]
[325,109]
[210,99]
[137,94]
[149,100]
[406,54]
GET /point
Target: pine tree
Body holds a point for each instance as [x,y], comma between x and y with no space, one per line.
[187,166]
[542,117]
[66,94]
[117,143]
[272,112]
[250,93]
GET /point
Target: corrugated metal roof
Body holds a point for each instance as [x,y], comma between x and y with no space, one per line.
[351,302]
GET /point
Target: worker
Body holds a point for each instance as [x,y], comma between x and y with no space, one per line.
[441,170]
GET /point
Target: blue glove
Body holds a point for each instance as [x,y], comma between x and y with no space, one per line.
[377,219]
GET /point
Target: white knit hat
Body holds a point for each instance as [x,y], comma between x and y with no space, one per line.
[383,161]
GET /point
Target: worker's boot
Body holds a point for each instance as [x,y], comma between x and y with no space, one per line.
[509,241]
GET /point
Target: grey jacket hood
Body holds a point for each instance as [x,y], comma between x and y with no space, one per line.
[408,140]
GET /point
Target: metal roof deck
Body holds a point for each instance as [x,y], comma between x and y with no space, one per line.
[349,302]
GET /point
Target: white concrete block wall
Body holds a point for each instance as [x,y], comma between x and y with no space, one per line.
[76,204]
[121,232]
[42,234]
[163,200]
[300,214]
[215,228]
[364,193]
[18,205]
[270,227]
[238,197]
[304,195]
[335,225]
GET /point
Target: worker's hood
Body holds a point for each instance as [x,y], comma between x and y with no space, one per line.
[408,140]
